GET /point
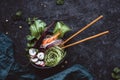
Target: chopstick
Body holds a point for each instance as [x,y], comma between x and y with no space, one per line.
[86,39]
[88,25]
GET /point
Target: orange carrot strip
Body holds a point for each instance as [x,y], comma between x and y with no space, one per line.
[48,40]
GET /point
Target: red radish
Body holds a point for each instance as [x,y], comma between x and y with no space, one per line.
[34,59]
[40,63]
[32,52]
[40,55]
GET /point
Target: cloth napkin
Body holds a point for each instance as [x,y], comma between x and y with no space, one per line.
[8,66]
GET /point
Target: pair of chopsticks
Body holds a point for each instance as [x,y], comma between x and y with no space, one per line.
[85,39]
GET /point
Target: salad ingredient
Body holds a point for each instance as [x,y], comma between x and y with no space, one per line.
[32,52]
[53,56]
[41,63]
[60,2]
[34,59]
[20,27]
[29,37]
[31,20]
[30,44]
[61,28]
[116,73]
[6,20]
[40,55]
[54,43]
[17,16]
[36,28]
[19,13]
[43,35]
[48,40]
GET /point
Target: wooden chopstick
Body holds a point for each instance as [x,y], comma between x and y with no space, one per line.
[86,39]
[91,23]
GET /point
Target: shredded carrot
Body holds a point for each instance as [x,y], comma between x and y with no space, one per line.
[48,40]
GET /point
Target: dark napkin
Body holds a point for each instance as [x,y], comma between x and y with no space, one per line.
[76,72]
[9,69]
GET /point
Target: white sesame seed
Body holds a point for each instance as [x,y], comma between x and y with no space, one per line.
[45,6]
[6,33]
[20,27]
[41,4]
[62,66]
[66,62]
[6,20]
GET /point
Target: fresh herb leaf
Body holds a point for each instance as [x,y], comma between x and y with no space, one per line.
[17,16]
[29,37]
[37,45]
[19,13]
[60,2]
[29,45]
[116,73]
[62,28]
[31,20]
[36,28]
[54,55]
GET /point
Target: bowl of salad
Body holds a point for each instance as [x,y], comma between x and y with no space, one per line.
[44,43]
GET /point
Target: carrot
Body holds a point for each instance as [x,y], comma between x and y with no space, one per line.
[48,40]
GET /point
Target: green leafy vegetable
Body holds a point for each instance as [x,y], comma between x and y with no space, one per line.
[19,13]
[31,20]
[53,56]
[29,37]
[36,28]
[17,16]
[116,73]
[60,2]
[62,28]
[30,44]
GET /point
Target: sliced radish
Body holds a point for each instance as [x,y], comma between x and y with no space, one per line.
[41,55]
[41,63]
[34,59]
[32,52]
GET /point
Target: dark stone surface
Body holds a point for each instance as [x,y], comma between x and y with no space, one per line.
[99,56]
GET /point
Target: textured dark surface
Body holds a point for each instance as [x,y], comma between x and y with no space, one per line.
[99,56]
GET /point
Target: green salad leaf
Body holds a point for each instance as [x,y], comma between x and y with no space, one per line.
[19,13]
[62,28]
[37,27]
[29,37]
[53,56]
[116,73]
[60,2]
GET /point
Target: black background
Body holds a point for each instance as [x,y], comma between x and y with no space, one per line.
[99,55]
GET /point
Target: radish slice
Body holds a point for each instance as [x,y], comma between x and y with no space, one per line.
[34,59]
[41,55]
[32,52]
[41,63]
[54,43]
